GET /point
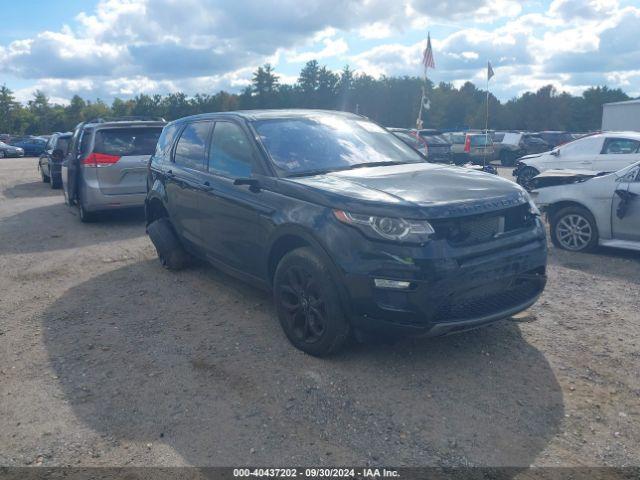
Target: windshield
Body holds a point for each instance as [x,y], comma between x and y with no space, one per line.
[410,139]
[326,142]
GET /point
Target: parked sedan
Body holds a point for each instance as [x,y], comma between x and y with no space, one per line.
[10,151]
[347,226]
[50,162]
[586,212]
[603,152]
[32,147]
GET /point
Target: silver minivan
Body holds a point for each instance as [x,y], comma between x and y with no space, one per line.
[106,164]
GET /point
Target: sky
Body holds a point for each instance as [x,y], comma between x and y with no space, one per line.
[121,48]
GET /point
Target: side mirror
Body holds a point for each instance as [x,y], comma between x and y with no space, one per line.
[57,155]
[254,184]
[555,153]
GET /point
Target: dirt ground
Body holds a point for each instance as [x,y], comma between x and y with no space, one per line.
[107,359]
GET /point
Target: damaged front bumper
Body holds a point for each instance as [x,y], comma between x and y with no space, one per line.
[447,289]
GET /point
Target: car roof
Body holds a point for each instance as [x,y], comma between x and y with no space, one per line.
[617,134]
[253,115]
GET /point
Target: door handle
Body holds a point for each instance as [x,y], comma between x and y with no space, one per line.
[207,186]
[169,173]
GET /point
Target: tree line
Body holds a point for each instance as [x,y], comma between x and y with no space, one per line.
[391,101]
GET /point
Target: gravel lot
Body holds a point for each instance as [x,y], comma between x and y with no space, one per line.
[107,359]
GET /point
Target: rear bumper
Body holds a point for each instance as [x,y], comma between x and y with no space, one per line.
[94,200]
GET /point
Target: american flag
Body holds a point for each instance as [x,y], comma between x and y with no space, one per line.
[427,55]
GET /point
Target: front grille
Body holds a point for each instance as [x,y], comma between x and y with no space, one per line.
[474,229]
[519,292]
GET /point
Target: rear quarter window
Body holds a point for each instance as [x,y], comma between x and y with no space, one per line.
[127,141]
[165,142]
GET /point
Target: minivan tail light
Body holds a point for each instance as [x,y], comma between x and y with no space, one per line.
[100,159]
[467,144]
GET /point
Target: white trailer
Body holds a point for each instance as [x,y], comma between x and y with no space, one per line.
[621,116]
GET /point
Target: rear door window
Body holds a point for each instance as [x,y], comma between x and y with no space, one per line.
[85,143]
[620,146]
[231,153]
[123,142]
[192,145]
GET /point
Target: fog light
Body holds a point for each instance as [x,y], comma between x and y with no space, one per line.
[395,284]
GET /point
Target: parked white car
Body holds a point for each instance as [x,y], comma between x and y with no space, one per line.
[603,152]
[587,209]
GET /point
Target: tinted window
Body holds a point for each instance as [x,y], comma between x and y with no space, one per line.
[126,141]
[192,144]
[62,144]
[231,153]
[85,143]
[165,142]
[620,146]
[330,142]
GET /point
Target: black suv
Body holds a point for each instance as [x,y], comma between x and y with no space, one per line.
[348,226]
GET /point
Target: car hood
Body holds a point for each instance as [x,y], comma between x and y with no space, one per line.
[424,189]
[532,156]
[552,178]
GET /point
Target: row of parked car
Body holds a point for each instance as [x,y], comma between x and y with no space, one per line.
[481,148]
[349,225]
[11,146]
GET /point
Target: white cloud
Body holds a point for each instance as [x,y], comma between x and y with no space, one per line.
[126,47]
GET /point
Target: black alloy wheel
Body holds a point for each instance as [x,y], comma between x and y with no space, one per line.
[308,304]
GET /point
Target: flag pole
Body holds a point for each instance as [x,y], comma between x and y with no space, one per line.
[486,126]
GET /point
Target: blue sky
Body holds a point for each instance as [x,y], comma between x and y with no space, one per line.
[120,48]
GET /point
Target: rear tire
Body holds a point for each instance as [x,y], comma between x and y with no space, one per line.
[45,178]
[574,229]
[308,304]
[171,254]
[86,217]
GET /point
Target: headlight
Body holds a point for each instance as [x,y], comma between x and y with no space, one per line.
[388,228]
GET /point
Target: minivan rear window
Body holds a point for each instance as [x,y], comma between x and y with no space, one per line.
[127,141]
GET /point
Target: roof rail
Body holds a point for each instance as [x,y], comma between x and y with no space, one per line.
[138,118]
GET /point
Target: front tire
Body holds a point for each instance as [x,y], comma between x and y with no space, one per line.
[574,229]
[525,177]
[308,304]
[171,254]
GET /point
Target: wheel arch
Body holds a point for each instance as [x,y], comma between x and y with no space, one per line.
[154,209]
[288,238]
